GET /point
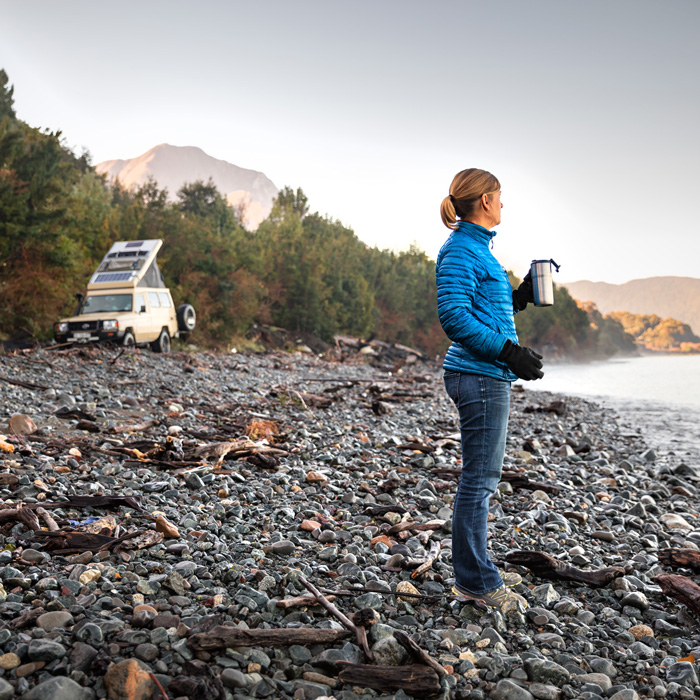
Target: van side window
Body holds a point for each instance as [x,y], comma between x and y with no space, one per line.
[154,300]
[139,302]
[164,300]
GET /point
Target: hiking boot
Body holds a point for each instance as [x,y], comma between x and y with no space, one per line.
[510,578]
[501,599]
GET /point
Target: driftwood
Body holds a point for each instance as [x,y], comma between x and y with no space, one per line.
[558,407]
[46,517]
[418,654]
[358,590]
[519,481]
[686,558]
[545,566]
[359,631]
[301,600]
[415,527]
[418,679]
[22,514]
[224,637]
[25,385]
[381,510]
[70,542]
[428,563]
[682,589]
[134,427]
[97,502]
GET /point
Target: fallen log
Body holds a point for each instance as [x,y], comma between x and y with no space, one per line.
[224,637]
[419,680]
[22,514]
[519,481]
[70,542]
[685,558]
[97,502]
[545,566]
[418,654]
[359,631]
[682,589]
[25,385]
[301,600]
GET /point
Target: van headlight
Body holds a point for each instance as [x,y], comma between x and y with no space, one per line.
[61,328]
[110,325]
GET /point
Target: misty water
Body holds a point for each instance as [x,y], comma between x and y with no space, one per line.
[657,395]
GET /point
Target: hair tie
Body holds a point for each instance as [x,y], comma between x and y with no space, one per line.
[452,199]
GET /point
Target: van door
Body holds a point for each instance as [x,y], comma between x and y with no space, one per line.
[159,315]
[141,322]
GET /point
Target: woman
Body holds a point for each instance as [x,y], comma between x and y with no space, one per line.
[476,305]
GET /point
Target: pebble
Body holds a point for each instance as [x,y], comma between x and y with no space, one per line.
[237,537]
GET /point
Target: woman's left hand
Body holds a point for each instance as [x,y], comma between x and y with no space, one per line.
[524,294]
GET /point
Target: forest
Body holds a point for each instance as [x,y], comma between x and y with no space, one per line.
[300,270]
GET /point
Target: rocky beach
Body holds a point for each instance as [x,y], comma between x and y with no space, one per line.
[277,525]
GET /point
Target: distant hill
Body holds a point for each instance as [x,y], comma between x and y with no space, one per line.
[668,297]
[174,166]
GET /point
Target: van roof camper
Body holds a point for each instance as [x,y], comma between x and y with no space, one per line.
[127,302]
[129,264]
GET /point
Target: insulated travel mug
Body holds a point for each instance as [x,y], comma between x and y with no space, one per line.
[543,290]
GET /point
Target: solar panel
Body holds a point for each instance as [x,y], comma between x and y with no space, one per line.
[113,277]
[134,244]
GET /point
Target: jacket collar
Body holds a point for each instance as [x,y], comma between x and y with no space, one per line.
[475,231]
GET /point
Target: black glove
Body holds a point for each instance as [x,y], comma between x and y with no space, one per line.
[523,362]
[523,295]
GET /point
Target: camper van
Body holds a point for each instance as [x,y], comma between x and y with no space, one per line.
[127,302]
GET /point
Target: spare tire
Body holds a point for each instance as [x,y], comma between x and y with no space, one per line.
[186,318]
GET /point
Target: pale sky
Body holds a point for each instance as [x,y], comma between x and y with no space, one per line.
[586,111]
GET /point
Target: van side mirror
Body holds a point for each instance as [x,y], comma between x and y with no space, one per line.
[142,310]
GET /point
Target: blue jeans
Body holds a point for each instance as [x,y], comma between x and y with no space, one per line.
[483,404]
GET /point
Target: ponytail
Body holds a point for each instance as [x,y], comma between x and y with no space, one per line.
[466,191]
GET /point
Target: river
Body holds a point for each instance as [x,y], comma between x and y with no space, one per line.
[657,394]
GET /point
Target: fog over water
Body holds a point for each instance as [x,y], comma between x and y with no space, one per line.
[658,395]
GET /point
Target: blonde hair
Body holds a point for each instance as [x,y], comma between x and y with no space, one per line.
[466,190]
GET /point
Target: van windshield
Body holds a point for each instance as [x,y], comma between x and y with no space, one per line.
[107,302]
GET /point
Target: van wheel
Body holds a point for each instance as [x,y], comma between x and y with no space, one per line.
[186,318]
[128,341]
[163,342]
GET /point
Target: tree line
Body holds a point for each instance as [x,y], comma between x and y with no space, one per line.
[299,270]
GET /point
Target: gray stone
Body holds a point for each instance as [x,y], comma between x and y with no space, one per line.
[544,692]
[626,694]
[546,672]
[388,652]
[7,692]
[508,690]
[283,547]
[81,656]
[146,652]
[545,594]
[58,688]
[605,666]
[682,673]
[233,678]
[45,650]
[599,679]
[59,618]
[636,599]
[299,654]
[369,600]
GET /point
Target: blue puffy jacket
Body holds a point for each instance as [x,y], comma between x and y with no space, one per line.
[475,303]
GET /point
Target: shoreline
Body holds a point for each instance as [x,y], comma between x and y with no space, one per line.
[343,453]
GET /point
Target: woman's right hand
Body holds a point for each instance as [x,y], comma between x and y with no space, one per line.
[525,363]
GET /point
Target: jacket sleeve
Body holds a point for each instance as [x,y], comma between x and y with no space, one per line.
[458,275]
